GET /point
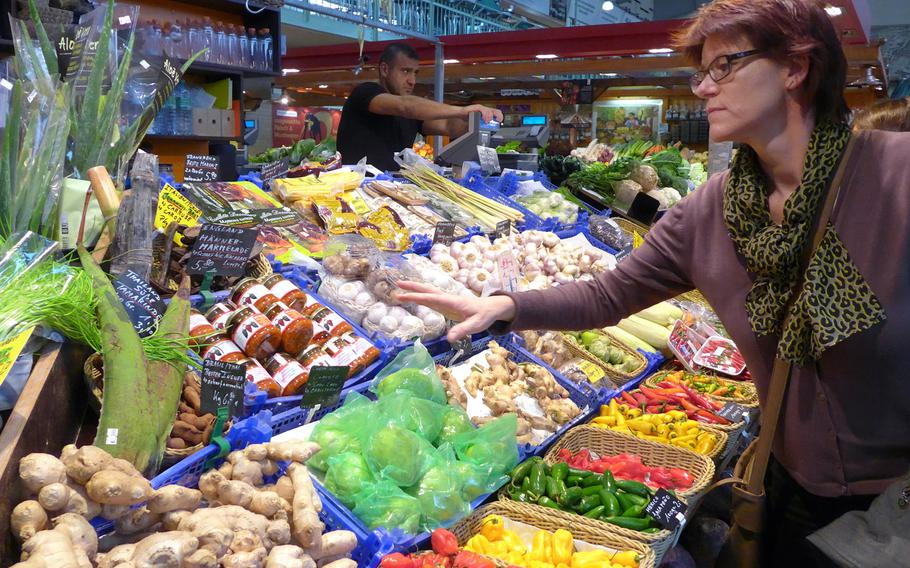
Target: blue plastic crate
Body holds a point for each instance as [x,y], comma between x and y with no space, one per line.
[475,182]
[595,242]
[582,395]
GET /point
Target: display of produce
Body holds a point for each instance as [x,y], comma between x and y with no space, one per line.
[546,204]
[233,519]
[709,385]
[599,345]
[628,466]
[583,492]
[559,168]
[490,384]
[672,427]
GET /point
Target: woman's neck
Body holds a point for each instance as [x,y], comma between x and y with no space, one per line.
[781,148]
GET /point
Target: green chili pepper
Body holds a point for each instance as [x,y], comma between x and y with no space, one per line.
[625,500]
[552,488]
[572,480]
[593,490]
[526,484]
[580,472]
[611,504]
[545,501]
[521,471]
[608,481]
[634,487]
[627,523]
[652,530]
[587,503]
[572,497]
[520,496]
[591,481]
[635,511]
[595,513]
[559,471]
[538,479]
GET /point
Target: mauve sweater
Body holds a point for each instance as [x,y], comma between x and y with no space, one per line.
[846,420]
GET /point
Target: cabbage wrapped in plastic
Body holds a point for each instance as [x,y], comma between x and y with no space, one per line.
[491,445]
[439,491]
[398,455]
[454,421]
[347,475]
[383,504]
[344,430]
[414,371]
[423,417]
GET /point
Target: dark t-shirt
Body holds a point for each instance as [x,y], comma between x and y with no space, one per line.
[376,136]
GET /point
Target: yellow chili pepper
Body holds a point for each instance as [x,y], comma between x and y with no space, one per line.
[634,413]
[492,527]
[477,543]
[591,559]
[539,564]
[563,547]
[498,549]
[641,426]
[541,546]
[705,446]
[514,541]
[515,558]
[628,558]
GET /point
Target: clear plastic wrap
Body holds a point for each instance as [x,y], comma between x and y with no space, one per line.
[350,297]
[350,256]
[608,232]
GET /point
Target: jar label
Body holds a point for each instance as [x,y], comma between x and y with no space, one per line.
[321,361]
[359,345]
[220,349]
[256,374]
[288,372]
[285,318]
[220,322]
[248,328]
[197,321]
[253,293]
[328,319]
[346,356]
[283,288]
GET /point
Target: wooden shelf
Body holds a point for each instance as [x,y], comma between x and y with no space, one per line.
[213,69]
[193,138]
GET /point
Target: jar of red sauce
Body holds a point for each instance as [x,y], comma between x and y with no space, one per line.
[254,333]
[256,374]
[288,292]
[222,348]
[352,351]
[296,329]
[249,292]
[287,372]
[219,314]
[329,320]
[200,328]
[315,356]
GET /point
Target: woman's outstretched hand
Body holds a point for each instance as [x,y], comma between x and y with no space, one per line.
[475,314]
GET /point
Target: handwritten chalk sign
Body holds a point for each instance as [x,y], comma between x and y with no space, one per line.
[201,168]
[323,388]
[142,303]
[445,233]
[223,249]
[667,510]
[222,387]
[274,170]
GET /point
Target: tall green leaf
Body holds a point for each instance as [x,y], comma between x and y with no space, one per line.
[50,54]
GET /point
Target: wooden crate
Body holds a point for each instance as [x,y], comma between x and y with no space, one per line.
[47,416]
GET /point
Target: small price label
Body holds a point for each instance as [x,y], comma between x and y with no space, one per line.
[508,273]
[667,510]
[461,349]
[503,229]
[445,233]
[201,168]
[637,240]
[733,412]
[323,388]
[489,160]
[222,387]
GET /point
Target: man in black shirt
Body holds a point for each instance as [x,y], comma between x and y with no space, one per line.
[382,118]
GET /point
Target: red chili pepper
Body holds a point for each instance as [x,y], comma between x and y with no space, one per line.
[466,559]
[697,398]
[653,395]
[628,398]
[712,417]
[444,542]
[688,406]
[640,398]
[397,560]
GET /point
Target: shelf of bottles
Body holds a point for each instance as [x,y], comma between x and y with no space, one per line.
[688,125]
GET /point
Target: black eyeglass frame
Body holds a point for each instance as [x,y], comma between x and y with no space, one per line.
[696,79]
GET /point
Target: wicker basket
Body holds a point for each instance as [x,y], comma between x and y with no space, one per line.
[618,378]
[630,226]
[609,442]
[751,399]
[539,517]
[695,297]
[723,440]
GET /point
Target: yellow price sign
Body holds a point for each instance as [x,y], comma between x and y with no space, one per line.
[637,240]
[10,350]
[592,371]
[175,208]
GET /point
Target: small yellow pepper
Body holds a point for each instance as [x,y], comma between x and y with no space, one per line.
[591,559]
[563,547]
[491,527]
[541,547]
[539,564]
[628,558]
[514,541]
[477,543]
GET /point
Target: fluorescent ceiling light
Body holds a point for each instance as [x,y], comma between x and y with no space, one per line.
[284,100]
[290,70]
[486,78]
[609,74]
[449,61]
[607,6]
[833,11]
[323,86]
[546,56]
[661,50]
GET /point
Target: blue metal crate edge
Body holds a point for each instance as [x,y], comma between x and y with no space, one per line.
[473,180]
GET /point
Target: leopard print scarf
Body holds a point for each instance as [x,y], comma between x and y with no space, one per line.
[836,302]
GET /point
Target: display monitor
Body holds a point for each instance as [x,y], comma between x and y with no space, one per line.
[534,120]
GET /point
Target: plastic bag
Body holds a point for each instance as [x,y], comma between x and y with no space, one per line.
[423,417]
[492,445]
[350,297]
[347,475]
[398,455]
[345,430]
[383,504]
[608,232]
[412,370]
[350,256]
[454,421]
[394,322]
[439,491]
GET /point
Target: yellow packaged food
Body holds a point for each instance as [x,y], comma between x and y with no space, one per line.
[336,215]
[341,180]
[385,228]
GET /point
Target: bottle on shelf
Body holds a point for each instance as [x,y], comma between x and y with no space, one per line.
[243,44]
[254,48]
[184,110]
[168,116]
[233,48]
[220,50]
[178,45]
[265,42]
[208,40]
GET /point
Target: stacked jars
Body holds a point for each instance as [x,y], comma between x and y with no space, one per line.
[279,333]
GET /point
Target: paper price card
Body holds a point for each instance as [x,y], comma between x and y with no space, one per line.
[10,350]
[175,208]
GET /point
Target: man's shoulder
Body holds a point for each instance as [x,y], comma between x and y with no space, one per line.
[368,87]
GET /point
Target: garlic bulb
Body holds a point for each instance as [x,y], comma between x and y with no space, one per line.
[478,279]
[447,264]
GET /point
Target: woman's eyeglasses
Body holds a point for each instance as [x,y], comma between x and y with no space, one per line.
[720,68]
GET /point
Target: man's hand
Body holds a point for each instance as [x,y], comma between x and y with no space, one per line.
[486,113]
[475,314]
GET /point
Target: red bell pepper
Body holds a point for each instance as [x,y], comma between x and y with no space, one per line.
[444,542]
[397,560]
[466,559]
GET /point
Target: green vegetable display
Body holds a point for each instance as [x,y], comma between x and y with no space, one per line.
[559,168]
[584,493]
[510,147]
[672,169]
[600,177]
[300,152]
[599,345]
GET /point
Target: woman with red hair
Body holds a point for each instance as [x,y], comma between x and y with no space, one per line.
[772,74]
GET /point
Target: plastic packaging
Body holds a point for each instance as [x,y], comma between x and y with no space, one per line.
[344,430]
[383,504]
[398,455]
[418,415]
[490,446]
[348,473]
[412,370]
[350,297]
[608,232]
[440,490]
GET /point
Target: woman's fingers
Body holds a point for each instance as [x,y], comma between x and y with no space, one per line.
[412,286]
[470,326]
[449,305]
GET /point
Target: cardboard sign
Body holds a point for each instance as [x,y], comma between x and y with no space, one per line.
[667,510]
[324,386]
[201,168]
[489,160]
[223,249]
[222,387]
[274,170]
[142,303]
[10,350]
[175,208]
[445,233]
[733,412]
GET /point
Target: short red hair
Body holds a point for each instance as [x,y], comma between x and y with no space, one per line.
[786,28]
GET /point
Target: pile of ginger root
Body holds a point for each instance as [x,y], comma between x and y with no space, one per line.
[233,520]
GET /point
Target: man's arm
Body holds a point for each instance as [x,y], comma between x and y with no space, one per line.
[438,118]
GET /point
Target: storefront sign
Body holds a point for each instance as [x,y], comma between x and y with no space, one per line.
[290,124]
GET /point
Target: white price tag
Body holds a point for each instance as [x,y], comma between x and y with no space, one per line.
[124,20]
[144,64]
[6,84]
[111,437]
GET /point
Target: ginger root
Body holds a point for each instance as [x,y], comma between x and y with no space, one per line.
[117,488]
[289,556]
[292,450]
[27,519]
[137,521]
[52,549]
[174,498]
[305,519]
[38,470]
[333,544]
[83,463]
[80,532]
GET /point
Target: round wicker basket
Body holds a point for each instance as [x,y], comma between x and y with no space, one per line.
[541,518]
[618,378]
[750,400]
[604,441]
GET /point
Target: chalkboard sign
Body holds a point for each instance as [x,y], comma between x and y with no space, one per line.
[201,168]
[323,388]
[643,209]
[274,170]
[221,248]
[461,350]
[222,386]
[733,412]
[503,229]
[667,510]
[445,233]
[142,303]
